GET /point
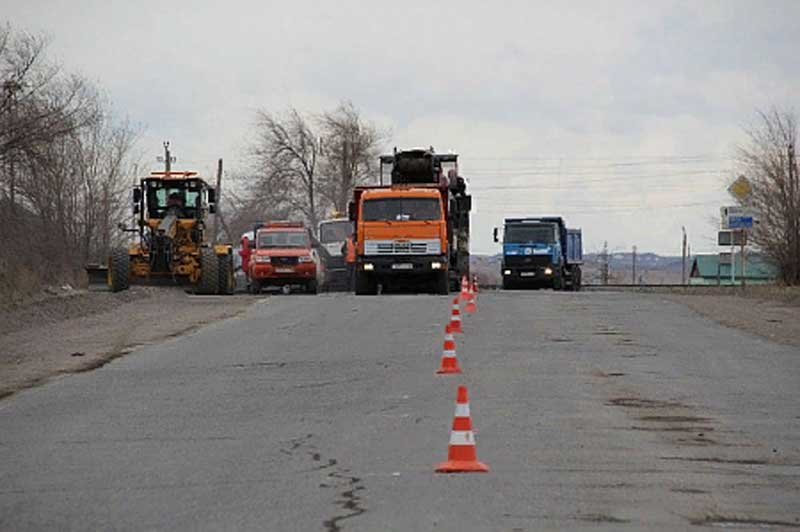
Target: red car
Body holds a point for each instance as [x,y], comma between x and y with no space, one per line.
[281,255]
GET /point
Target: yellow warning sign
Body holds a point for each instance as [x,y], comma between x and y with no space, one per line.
[741,188]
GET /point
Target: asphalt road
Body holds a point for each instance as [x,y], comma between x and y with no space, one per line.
[601,411]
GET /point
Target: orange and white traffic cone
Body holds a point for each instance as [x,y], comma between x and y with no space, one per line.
[471,305]
[449,362]
[461,454]
[455,318]
[464,288]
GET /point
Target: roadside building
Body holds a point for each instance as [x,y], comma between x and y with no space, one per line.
[707,270]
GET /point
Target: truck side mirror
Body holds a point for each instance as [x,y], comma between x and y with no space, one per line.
[137,194]
[351,211]
[212,208]
[212,195]
[495,235]
[135,208]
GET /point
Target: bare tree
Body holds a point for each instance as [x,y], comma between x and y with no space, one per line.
[63,162]
[350,153]
[767,160]
[284,164]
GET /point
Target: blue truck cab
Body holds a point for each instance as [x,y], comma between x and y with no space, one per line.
[541,253]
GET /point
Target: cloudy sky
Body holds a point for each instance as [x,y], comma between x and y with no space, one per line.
[622,116]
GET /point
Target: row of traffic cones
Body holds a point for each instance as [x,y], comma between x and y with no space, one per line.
[461,454]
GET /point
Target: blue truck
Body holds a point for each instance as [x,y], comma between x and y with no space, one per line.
[541,253]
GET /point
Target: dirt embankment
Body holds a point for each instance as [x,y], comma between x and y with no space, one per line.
[80,331]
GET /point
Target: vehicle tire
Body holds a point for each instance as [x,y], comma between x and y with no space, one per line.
[558,282]
[312,287]
[227,281]
[209,273]
[507,284]
[442,283]
[576,279]
[120,270]
[254,287]
[364,285]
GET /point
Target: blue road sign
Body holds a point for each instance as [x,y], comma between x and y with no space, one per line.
[740,222]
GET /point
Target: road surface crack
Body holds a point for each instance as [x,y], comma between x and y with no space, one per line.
[348,501]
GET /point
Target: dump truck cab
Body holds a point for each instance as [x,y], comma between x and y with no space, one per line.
[413,231]
[540,252]
[281,255]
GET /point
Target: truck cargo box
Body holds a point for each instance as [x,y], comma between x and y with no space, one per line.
[574,246]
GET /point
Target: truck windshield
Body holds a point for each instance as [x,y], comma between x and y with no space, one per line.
[335,231]
[282,239]
[401,209]
[526,234]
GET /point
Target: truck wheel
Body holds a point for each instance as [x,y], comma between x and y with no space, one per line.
[227,281]
[209,273]
[120,270]
[576,279]
[364,285]
[506,284]
[254,287]
[311,287]
[442,283]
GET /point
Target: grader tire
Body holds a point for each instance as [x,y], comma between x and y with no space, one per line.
[209,273]
[120,270]
[227,283]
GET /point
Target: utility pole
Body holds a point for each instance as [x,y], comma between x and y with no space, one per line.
[683,257]
[794,211]
[218,213]
[634,265]
[604,264]
[167,157]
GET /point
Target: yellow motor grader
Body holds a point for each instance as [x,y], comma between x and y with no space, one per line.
[171,209]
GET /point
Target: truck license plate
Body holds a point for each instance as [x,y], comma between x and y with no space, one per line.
[527,274]
[403,266]
[284,270]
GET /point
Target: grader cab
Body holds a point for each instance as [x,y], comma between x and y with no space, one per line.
[172,248]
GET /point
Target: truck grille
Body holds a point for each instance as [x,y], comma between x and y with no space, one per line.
[530,261]
[402,247]
[284,260]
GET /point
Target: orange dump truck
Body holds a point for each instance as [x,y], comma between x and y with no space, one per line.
[414,231]
[281,254]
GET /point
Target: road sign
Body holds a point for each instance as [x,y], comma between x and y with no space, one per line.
[731,238]
[741,188]
[737,217]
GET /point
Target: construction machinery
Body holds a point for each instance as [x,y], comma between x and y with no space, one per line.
[171,246]
[414,230]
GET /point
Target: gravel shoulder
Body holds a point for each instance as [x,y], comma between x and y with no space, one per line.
[80,331]
[770,312]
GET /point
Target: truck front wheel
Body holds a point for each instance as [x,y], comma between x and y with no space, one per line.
[364,284]
[442,283]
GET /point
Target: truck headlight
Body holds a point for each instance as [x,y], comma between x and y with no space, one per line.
[548,271]
[263,258]
[506,272]
[436,265]
[368,267]
[305,258]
